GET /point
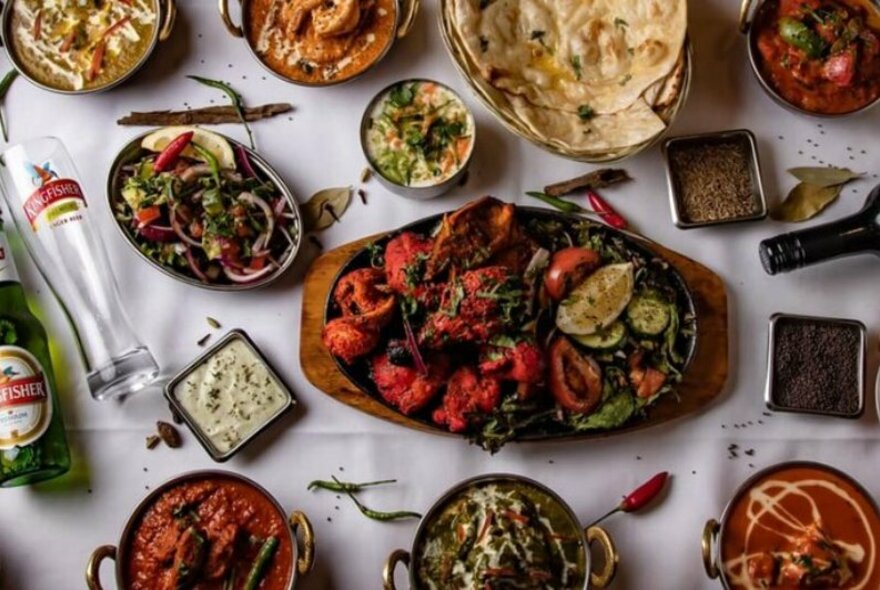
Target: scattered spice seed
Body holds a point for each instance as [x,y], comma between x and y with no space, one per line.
[204,340]
[213,323]
[366,174]
[151,442]
[363,195]
[169,434]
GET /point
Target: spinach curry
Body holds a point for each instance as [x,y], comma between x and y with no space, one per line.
[501,534]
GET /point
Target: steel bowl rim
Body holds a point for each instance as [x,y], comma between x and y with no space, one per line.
[417,192]
[6,22]
[751,42]
[245,18]
[124,543]
[262,166]
[746,485]
[486,479]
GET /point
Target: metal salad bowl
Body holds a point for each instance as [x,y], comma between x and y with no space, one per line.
[406,12]
[588,537]
[132,151]
[749,12]
[166,15]
[303,552]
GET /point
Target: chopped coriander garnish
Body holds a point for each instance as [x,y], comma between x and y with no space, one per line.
[576,64]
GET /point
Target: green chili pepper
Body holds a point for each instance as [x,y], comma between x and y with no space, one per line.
[261,564]
[5,83]
[796,33]
[562,205]
[235,97]
[210,159]
[345,486]
[375,514]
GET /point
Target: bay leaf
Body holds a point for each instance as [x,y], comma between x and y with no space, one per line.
[824,176]
[325,207]
[805,201]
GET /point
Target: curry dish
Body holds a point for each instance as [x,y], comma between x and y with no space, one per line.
[802,527]
[81,44]
[210,534]
[320,41]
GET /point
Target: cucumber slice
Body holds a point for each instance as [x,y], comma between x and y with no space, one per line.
[609,339]
[647,315]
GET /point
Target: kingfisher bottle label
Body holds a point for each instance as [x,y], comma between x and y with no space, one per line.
[25,398]
[7,264]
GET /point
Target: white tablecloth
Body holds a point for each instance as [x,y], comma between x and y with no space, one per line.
[48,531]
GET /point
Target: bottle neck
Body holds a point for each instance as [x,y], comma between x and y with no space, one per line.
[852,235]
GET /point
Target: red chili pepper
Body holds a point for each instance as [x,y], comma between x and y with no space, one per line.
[118,25]
[172,151]
[97,61]
[641,496]
[606,211]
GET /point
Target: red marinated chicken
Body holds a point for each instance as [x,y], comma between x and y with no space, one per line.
[474,307]
[405,258]
[468,395]
[402,386]
[522,362]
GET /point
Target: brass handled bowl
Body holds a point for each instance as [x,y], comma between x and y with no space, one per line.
[749,11]
[166,14]
[588,536]
[406,12]
[303,552]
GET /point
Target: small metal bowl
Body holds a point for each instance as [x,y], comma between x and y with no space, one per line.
[407,10]
[679,215]
[769,397]
[166,14]
[749,11]
[416,192]
[177,406]
[132,151]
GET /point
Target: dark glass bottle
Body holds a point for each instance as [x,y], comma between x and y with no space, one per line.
[33,445]
[858,234]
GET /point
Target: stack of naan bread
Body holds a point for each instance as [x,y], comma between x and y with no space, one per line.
[584,77]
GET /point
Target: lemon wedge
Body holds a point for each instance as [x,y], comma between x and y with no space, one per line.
[216,144]
[597,302]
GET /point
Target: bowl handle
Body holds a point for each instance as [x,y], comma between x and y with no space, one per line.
[93,569]
[604,578]
[233,28]
[306,553]
[710,534]
[409,9]
[745,22]
[168,21]
[397,556]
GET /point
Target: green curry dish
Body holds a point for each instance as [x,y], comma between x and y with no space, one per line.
[499,535]
[419,134]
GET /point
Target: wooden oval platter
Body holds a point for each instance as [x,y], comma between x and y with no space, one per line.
[700,292]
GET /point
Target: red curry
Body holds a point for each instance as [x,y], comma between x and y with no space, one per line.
[798,527]
[208,535]
[822,56]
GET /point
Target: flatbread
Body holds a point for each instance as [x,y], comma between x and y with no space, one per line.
[563,54]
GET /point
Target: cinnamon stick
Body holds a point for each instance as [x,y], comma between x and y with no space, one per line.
[204,116]
[592,180]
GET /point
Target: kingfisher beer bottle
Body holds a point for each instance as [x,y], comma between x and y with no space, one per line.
[33,446]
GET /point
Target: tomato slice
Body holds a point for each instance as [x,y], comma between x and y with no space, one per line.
[147,215]
[568,268]
[575,379]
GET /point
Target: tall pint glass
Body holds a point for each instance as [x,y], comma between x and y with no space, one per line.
[49,207]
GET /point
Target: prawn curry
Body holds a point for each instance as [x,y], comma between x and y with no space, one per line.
[81,44]
[320,41]
[801,526]
[210,534]
[506,324]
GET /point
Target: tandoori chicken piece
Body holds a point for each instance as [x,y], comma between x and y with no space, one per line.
[362,292]
[517,256]
[403,386]
[405,258]
[468,396]
[351,337]
[472,235]
[521,361]
[646,381]
[475,306]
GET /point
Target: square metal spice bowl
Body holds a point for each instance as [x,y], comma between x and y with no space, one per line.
[747,140]
[769,393]
[205,441]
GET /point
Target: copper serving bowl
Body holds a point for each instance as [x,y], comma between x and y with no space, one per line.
[303,554]
[589,536]
[748,12]
[407,10]
[166,14]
